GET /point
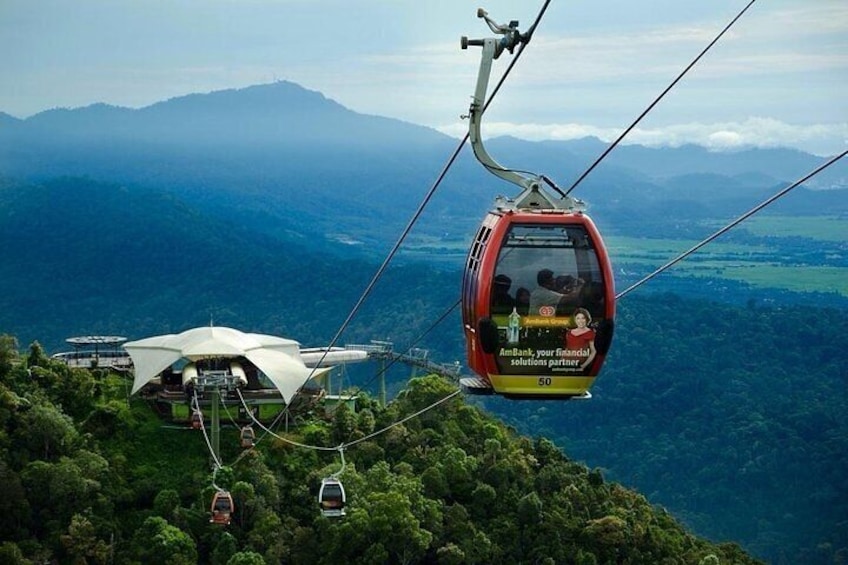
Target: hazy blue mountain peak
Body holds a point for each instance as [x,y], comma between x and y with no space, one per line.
[8,119]
[280,96]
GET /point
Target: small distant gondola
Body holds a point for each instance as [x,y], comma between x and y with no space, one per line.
[538,298]
[247,437]
[222,508]
[196,420]
[331,498]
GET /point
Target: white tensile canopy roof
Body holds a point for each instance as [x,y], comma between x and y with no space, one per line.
[277,357]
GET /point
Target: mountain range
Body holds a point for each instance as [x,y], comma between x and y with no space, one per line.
[272,153]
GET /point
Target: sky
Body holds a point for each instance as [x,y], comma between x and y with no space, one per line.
[779,77]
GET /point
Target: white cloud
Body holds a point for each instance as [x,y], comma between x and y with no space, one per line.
[820,139]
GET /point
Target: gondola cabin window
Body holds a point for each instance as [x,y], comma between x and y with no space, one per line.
[548,289]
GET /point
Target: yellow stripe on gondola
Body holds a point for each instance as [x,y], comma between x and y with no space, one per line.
[541,385]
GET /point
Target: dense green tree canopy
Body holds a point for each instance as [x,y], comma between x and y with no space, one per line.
[451,485]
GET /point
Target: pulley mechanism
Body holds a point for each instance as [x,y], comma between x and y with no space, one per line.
[533,196]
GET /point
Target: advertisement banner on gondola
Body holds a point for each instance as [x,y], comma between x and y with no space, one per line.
[545,344]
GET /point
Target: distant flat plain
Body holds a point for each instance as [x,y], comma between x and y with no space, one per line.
[795,253]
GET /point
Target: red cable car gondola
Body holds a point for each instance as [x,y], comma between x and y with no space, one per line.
[222,508]
[537,304]
[538,298]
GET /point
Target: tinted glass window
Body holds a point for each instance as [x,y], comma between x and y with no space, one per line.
[547,295]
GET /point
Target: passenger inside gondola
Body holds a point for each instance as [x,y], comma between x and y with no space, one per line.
[545,294]
[502,300]
[571,289]
[522,301]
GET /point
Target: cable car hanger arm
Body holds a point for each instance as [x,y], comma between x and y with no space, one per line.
[532,195]
[492,49]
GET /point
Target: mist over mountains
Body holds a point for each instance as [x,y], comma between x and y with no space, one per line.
[287,159]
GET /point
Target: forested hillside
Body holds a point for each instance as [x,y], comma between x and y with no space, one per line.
[89,476]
